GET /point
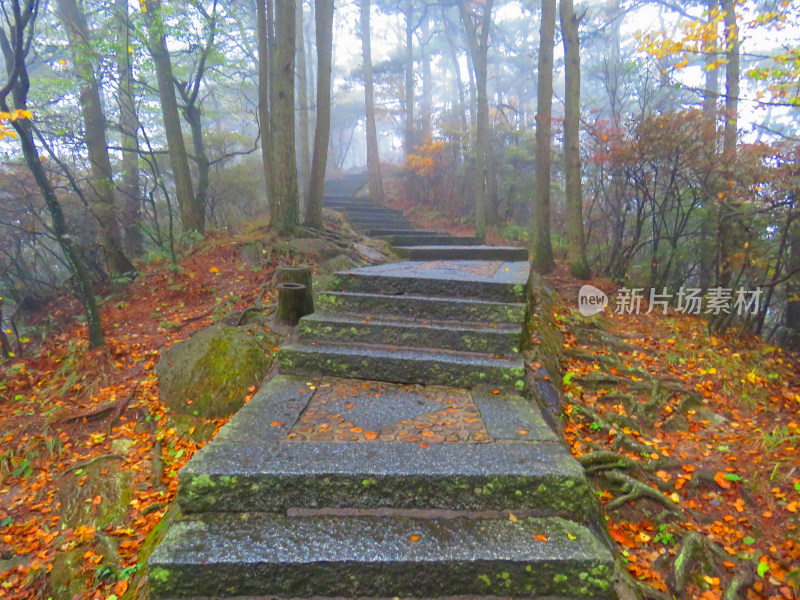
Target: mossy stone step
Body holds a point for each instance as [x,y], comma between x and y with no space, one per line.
[468,252]
[332,327]
[384,231]
[398,365]
[460,310]
[497,281]
[354,556]
[240,475]
[432,240]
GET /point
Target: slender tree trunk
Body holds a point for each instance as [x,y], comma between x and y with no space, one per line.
[15,50]
[478,47]
[264,123]
[194,117]
[426,112]
[284,194]
[130,187]
[373,158]
[708,253]
[94,123]
[192,216]
[462,102]
[409,143]
[323,10]
[792,319]
[302,103]
[572,157]
[729,139]
[543,251]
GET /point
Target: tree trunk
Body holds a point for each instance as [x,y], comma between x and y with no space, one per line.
[284,196]
[792,319]
[543,250]
[462,102]
[426,112]
[729,138]
[373,158]
[572,158]
[302,104]
[130,186]
[192,216]
[323,10]
[15,50]
[409,143]
[94,123]
[478,49]
[264,123]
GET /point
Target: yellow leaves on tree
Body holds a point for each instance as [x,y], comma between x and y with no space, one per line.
[12,116]
[427,157]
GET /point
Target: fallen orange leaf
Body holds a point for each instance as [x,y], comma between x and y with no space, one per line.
[719,477]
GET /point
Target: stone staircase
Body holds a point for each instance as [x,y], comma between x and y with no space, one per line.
[394,456]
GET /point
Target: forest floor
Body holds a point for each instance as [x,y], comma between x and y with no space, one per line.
[707,425]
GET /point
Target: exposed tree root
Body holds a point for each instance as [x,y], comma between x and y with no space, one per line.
[634,489]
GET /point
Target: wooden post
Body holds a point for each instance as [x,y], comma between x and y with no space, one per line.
[299,274]
[291,299]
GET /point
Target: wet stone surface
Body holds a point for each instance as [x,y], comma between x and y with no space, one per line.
[352,411]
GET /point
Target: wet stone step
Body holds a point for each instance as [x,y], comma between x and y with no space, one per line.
[235,476]
[258,554]
[459,310]
[333,327]
[269,457]
[384,231]
[470,252]
[499,281]
[399,365]
[432,240]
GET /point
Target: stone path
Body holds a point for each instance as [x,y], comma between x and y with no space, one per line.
[395,455]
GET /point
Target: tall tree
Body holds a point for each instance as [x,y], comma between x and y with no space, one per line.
[94,124]
[304,158]
[284,196]
[726,234]
[323,11]
[408,145]
[193,113]
[477,29]
[130,184]
[543,251]
[15,43]
[572,157]
[192,216]
[373,157]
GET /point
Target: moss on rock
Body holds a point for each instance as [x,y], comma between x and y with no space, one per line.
[209,374]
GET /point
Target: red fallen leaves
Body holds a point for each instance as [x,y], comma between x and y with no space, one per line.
[63,379]
[733,476]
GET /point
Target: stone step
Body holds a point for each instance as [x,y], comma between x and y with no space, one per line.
[254,554]
[432,240]
[384,231]
[378,220]
[281,452]
[348,200]
[398,365]
[484,280]
[336,327]
[471,252]
[365,211]
[538,478]
[460,310]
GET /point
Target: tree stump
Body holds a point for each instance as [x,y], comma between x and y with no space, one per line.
[299,274]
[291,302]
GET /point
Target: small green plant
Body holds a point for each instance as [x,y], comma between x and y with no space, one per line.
[664,536]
